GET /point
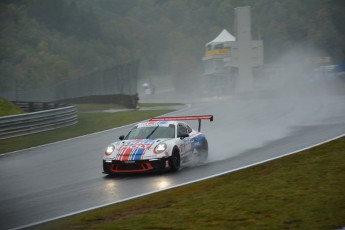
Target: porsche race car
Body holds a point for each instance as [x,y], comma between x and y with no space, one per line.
[161,143]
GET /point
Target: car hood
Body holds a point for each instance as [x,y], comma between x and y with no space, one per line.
[138,149]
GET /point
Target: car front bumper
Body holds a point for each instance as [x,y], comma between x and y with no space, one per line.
[115,166]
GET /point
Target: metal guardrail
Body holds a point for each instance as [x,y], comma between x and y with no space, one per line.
[23,124]
[38,106]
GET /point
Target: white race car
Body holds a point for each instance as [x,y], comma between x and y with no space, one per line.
[158,144]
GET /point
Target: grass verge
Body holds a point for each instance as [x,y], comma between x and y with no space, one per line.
[87,123]
[301,191]
[7,108]
[158,104]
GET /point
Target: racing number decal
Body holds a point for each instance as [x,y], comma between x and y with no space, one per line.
[185,143]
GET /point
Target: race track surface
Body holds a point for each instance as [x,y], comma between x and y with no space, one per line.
[65,177]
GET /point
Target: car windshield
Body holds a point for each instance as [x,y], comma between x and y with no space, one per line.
[152,132]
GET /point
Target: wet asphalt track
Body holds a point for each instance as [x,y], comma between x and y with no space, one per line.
[61,178]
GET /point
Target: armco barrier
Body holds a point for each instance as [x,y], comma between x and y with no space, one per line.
[23,124]
[30,107]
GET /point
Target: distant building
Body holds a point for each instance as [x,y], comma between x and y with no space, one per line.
[218,76]
[228,62]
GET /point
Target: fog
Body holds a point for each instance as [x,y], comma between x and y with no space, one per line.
[290,97]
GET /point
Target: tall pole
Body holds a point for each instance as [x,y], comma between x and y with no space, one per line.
[244,39]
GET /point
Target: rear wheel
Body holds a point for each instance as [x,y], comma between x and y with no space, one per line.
[203,152]
[175,160]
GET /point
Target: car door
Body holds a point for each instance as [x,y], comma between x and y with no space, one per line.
[184,144]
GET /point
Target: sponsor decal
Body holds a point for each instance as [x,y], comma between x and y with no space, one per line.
[196,139]
[153,123]
[134,150]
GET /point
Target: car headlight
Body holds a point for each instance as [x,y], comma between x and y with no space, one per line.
[110,149]
[160,148]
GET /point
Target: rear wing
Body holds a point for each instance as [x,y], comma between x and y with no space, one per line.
[184,118]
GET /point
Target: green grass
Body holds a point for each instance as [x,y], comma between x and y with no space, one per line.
[87,123]
[7,108]
[158,104]
[97,107]
[301,191]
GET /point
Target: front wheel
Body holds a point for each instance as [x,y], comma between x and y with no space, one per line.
[175,161]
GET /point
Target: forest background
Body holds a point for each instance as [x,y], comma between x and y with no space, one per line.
[44,42]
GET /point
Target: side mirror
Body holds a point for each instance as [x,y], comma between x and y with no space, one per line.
[122,137]
[183,135]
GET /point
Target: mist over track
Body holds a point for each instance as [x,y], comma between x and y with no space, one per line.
[65,177]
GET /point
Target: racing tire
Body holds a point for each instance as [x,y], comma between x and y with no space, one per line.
[203,152]
[175,161]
